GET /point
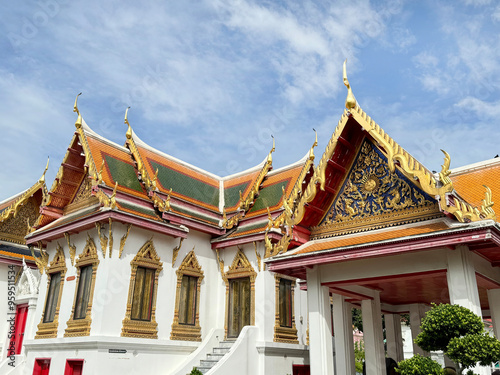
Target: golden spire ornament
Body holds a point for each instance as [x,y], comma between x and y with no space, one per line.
[350,101]
[78,122]
[129,130]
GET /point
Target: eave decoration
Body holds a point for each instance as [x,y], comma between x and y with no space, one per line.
[14,208]
[246,202]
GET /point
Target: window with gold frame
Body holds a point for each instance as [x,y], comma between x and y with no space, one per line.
[47,328]
[186,325]
[242,269]
[81,313]
[284,327]
[139,318]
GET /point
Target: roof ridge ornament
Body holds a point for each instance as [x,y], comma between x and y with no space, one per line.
[78,122]
[42,179]
[350,101]
[128,134]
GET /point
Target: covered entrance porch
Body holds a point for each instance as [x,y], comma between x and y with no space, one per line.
[386,275]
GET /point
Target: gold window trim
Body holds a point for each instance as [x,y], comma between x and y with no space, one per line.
[147,257]
[81,327]
[58,264]
[241,267]
[284,334]
[190,267]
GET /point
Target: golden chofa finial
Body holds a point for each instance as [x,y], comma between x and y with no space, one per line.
[311,151]
[269,157]
[350,101]
[129,130]
[42,179]
[78,122]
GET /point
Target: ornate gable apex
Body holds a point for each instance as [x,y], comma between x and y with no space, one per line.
[190,265]
[241,266]
[372,196]
[19,213]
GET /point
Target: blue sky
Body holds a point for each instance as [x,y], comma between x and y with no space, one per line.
[209,81]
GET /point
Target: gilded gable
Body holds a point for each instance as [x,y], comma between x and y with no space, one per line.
[373,197]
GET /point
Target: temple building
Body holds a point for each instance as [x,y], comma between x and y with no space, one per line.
[145,263]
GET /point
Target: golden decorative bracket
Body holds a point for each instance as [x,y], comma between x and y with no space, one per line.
[259,258]
[102,238]
[72,248]
[110,236]
[42,261]
[176,250]
[220,261]
[123,240]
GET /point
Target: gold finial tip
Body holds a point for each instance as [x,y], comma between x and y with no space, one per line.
[350,101]
[75,106]
[129,130]
[42,179]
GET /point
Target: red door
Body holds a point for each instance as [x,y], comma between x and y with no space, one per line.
[42,366]
[74,367]
[16,341]
[301,370]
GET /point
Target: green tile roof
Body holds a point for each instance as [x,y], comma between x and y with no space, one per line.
[232,194]
[269,196]
[186,185]
[123,173]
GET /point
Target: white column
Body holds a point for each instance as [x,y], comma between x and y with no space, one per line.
[462,283]
[344,342]
[417,312]
[373,336]
[462,286]
[494,302]
[320,329]
[394,337]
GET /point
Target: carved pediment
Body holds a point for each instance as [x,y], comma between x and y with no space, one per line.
[373,197]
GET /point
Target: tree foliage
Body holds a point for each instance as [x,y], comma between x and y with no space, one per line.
[418,365]
[472,349]
[445,322]
[195,371]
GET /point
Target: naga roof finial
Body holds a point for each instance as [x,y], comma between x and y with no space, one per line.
[269,157]
[42,179]
[78,122]
[129,131]
[350,101]
[311,151]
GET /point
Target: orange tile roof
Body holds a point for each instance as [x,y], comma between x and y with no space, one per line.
[470,183]
[14,255]
[367,237]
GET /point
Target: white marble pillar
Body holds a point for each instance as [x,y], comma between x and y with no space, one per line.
[417,312]
[373,336]
[320,329]
[344,342]
[494,303]
[394,337]
[462,286]
[461,277]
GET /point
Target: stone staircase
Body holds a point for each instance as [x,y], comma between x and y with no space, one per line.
[212,358]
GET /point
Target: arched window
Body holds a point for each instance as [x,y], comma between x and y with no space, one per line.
[80,320]
[141,305]
[186,325]
[47,328]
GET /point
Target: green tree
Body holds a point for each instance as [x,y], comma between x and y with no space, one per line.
[418,365]
[460,334]
[195,371]
[359,355]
